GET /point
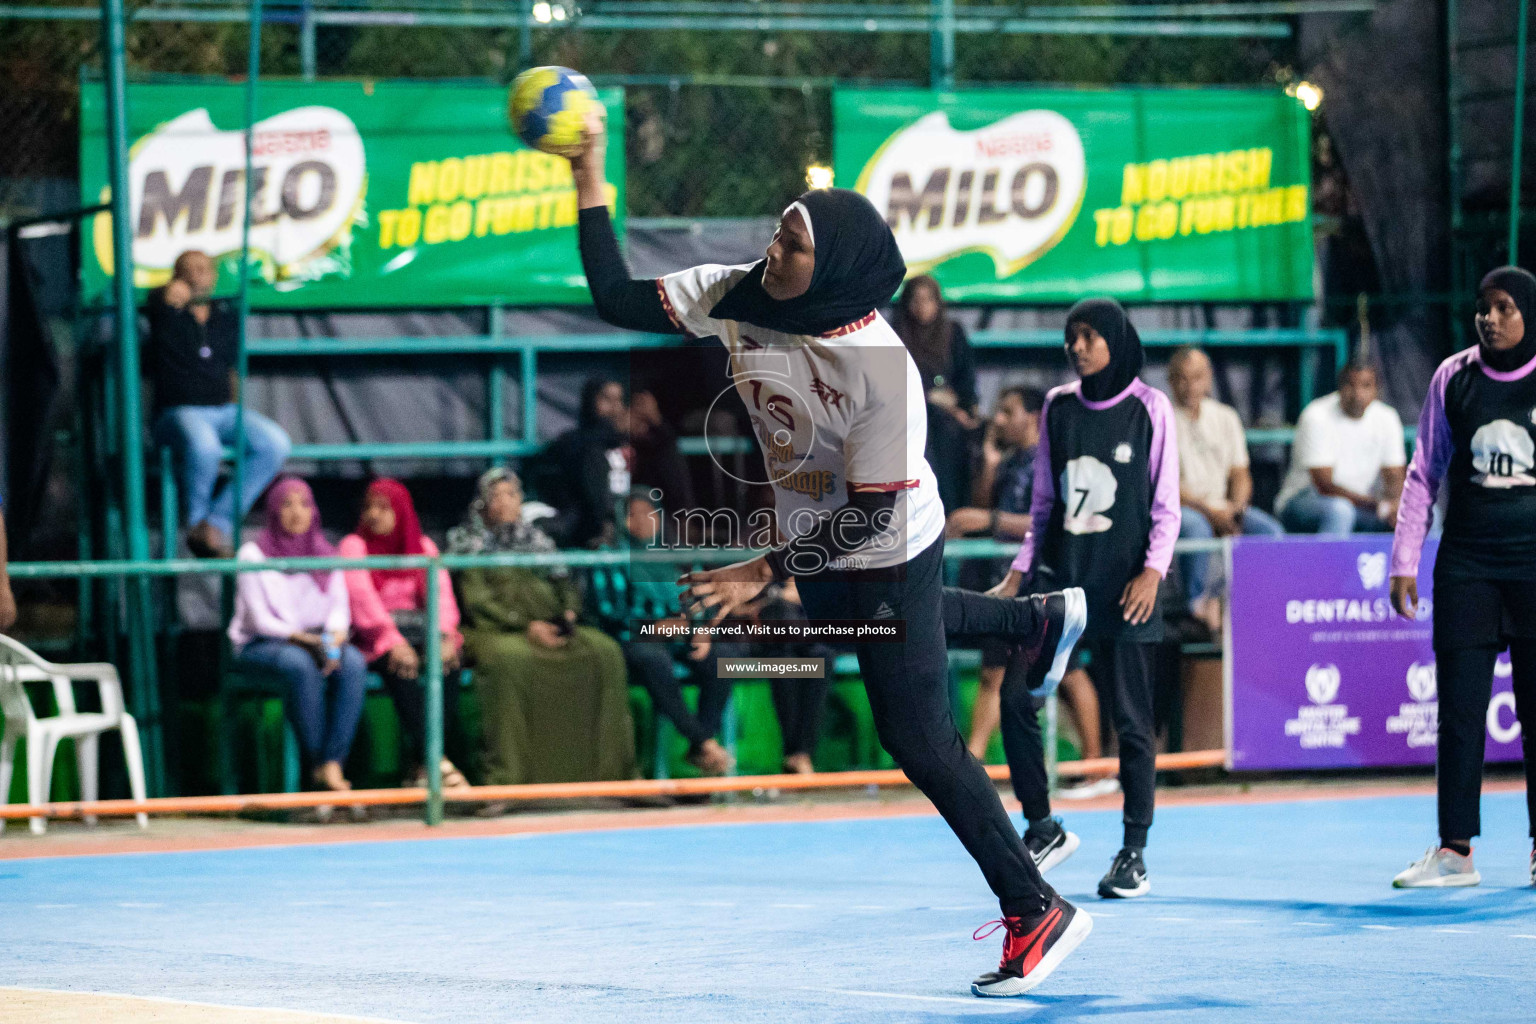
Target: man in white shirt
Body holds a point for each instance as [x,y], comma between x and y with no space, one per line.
[1348,463]
[1215,486]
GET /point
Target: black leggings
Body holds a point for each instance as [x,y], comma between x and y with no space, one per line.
[798,703]
[410,699]
[1464,676]
[1475,619]
[908,687]
[650,665]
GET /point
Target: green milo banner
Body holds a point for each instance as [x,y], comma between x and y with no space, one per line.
[1188,195]
[365,194]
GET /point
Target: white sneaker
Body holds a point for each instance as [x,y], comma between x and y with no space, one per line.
[1089,790]
[1438,868]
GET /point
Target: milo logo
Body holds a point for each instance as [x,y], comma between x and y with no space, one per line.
[1011,189]
[187,185]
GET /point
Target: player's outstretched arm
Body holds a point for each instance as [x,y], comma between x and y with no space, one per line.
[620,300]
[716,593]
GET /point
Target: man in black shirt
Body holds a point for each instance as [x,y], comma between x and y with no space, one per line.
[191,347]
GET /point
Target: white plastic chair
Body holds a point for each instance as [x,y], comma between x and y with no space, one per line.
[18,665]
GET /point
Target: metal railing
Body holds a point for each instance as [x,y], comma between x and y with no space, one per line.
[941,20]
[144,570]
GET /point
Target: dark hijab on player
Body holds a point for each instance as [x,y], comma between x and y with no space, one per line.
[1521,286]
[1125,356]
[858,268]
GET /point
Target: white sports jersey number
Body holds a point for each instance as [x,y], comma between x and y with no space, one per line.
[1088,491]
[1503,455]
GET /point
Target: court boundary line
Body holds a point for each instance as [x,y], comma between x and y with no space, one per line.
[350,1018]
[679,817]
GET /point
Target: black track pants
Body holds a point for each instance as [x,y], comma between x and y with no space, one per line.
[908,689]
[1464,676]
[970,618]
[1122,671]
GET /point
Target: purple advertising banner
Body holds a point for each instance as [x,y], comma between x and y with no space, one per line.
[1323,674]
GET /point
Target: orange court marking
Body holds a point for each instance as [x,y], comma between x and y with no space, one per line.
[679,817]
[621,788]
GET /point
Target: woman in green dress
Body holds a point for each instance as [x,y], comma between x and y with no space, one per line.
[552,693]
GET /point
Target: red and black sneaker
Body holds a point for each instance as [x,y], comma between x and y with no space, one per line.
[1032,948]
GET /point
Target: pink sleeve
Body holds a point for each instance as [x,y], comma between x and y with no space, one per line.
[1043,497]
[447,606]
[1164,462]
[373,628]
[1431,456]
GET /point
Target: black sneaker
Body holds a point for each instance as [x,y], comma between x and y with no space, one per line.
[1127,877]
[1032,948]
[1049,843]
[1066,616]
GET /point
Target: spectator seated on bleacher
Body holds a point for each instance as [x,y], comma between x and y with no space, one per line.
[191,343]
[659,464]
[1215,484]
[798,703]
[587,469]
[653,593]
[1001,491]
[552,693]
[294,624]
[945,362]
[389,622]
[1349,461]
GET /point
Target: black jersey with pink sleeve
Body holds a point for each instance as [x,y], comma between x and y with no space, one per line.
[1477,432]
[1106,498]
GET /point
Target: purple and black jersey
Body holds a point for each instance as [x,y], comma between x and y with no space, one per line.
[1477,432]
[1106,501]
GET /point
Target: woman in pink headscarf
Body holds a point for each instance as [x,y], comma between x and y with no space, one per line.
[389,620]
[295,624]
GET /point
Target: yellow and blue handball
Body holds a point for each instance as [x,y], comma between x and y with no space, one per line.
[548,108]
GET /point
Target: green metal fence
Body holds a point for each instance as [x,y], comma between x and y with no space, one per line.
[144,699]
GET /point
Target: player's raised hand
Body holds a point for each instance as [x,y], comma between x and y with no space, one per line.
[715,593]
[1405,596]
[595,144]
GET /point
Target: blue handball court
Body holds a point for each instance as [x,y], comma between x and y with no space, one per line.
[1273,909]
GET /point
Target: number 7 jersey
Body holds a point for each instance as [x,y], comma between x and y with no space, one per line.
[834,414]
[1106,500]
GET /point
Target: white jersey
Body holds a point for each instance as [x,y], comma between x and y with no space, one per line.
[834,414]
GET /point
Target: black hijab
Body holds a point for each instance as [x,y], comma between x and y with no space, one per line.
[587,415]
[1521,286]
[930,343]
[858,268]
[1125,356]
